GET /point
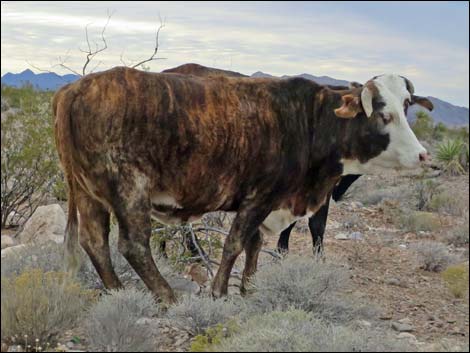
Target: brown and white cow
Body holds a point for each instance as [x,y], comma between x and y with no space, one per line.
[175,147]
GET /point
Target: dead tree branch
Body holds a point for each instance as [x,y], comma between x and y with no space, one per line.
[155,51]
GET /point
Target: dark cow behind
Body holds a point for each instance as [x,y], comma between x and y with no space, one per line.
[174,147]
[316,223]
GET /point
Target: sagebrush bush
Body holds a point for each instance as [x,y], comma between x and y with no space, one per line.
[459,235]
[112,323]
[200,313]
[433,256]
[306,284]
[40,304]
[298,331]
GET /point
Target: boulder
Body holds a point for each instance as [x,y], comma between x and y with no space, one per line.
[47,223]
[11,250]
[7,241]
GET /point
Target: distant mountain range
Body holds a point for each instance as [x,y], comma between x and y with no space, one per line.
[445,112]
[48,81]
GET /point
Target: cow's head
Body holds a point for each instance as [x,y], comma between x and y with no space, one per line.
[380,107]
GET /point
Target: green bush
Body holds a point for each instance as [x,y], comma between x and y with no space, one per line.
[456,278]
[41,305]
[449,154]
[423,126]
[30,169]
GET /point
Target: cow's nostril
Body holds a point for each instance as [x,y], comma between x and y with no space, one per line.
[423,156]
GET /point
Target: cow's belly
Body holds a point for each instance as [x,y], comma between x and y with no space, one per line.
[273,225]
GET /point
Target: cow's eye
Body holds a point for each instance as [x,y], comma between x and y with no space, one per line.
[387,118]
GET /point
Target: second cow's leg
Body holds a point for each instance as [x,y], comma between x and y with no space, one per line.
[252,250]
[317,225]
[244,226]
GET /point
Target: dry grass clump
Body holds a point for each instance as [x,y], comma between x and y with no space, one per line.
[41,305]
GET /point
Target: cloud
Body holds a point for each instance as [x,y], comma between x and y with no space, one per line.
[245,37]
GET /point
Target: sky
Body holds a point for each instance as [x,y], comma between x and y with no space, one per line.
[428,42]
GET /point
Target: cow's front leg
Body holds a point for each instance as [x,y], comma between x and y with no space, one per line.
[244,227]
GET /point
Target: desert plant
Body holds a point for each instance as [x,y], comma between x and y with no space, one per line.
[424,191]
[433,256]
[417,221]
[448,154]
[28,159]
[200,313]
[309,285]
[423,126]
[112,324]
[456,278]
[40,305]
[298,331]
[459,235]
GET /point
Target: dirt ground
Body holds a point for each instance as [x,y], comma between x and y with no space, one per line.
[383,265]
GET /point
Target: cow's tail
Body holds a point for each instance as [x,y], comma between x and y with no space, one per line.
[62,105]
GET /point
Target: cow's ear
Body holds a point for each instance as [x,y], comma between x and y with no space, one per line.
[350,108]
[422,101]
[367,95]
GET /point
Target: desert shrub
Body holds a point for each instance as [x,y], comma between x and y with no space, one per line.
[444,202]
[423,126]
[112,323]
[449,154]
[417,221]
[213,336]
[47,257]
[40,304]
[296,283]
[440,131]
[28,160]
[298,331]
[456,279]
[200,313]
[433,256]
[424,192]
[306,284]
[459,235]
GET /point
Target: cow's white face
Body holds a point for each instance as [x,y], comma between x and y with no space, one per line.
[384,100]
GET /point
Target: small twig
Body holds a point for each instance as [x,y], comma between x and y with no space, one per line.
[201,254]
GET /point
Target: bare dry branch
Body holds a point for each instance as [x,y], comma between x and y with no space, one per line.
[155,51]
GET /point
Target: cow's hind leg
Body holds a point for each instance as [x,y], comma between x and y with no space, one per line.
[93,235]
[134,243]
[252,250]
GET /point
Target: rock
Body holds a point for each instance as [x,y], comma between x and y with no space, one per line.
[341,236]
[356,236]
[407,336]
[47,223]
[402,246]
[70,345]
[184,286]
[364,323]
[405,321]
[392,282]
[356,204]
[11,250]
[7,241]
[402,327]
